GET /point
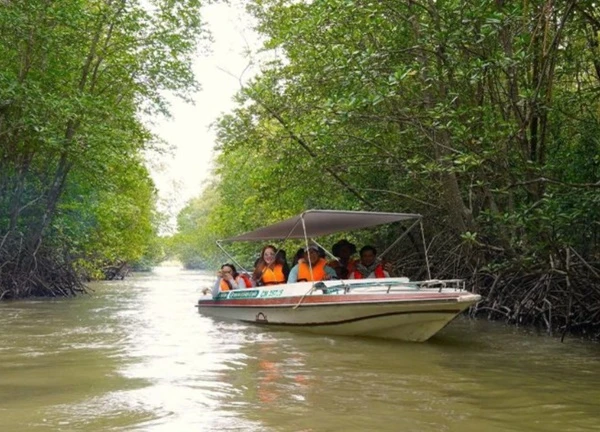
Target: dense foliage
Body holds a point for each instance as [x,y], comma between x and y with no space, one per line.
[76,77]
[483,115]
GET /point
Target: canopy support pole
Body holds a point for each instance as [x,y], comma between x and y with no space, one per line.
[324,249]
[306,247]
[425,249]
[404,234]
[230,257]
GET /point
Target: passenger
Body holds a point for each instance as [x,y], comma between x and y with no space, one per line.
[368,267]
[345,264]
[269,269]
[320,270]
[322,253]
[281,257]
[229,279]
[298,256]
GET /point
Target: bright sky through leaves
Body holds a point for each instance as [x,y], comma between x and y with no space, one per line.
[181,175]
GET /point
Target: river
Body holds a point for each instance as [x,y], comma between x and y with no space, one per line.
[135,355]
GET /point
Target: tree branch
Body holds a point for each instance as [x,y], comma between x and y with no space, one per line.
[547,180]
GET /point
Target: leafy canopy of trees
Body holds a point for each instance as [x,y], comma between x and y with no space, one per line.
[481,115]
[76,79]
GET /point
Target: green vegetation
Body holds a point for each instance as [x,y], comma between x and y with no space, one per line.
[482,115]
[75,78]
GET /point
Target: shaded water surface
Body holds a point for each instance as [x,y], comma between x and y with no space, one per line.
[135,355]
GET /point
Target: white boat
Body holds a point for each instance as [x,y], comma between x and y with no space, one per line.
[391,308]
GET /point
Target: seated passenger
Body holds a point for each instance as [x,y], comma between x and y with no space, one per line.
[298,256]
[320,270]
[281,257]
[229,279]
[345,264]
[368,267]
[269,269]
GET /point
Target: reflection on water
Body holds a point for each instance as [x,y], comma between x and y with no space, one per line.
[135,355]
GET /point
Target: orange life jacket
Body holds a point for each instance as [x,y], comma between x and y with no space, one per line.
[224,286]
[272,276]
[246,279]
[379,274]
[318,271]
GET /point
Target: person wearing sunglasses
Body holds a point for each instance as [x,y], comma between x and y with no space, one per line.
[270,268]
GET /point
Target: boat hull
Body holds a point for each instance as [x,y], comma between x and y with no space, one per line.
[398,313]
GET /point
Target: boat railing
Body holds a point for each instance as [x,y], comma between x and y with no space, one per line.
[392,285]
[439,284]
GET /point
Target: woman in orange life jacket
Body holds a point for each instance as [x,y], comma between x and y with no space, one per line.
[368,267]
[344,265]
[229,279]
[281,257]
[311,268]
[270,268]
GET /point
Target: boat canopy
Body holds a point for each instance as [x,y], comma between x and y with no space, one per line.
[316,223]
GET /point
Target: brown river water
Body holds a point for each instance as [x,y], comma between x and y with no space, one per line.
[135,355]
